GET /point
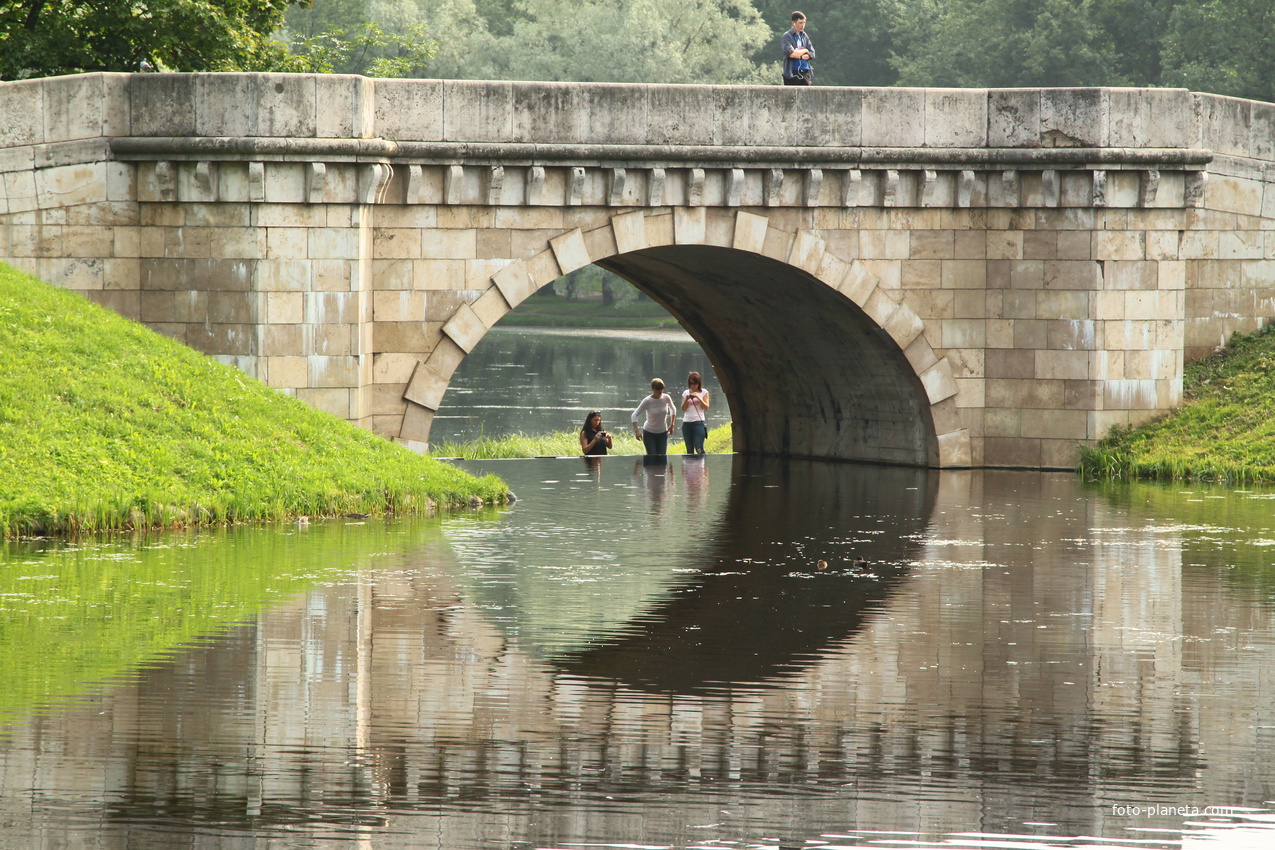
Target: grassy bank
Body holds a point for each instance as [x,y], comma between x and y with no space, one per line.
[1224,432]
[107,425]
[567,444]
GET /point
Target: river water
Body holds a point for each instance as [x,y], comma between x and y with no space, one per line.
[685,655]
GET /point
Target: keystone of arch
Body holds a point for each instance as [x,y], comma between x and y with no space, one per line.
[628,232]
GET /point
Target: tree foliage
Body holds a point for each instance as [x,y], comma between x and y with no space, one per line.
[40,38]
[853,41]
[382,38]
[973,43]
[1222,46]
[1219,46]
[649,41]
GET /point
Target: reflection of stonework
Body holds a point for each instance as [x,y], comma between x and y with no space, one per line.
[1034,657]
[935,277]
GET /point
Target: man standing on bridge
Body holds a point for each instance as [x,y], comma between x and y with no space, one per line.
[798,51]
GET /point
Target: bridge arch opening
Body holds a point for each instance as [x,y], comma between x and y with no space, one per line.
[820,365]
[807,372]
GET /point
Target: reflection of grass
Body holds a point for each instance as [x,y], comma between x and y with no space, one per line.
[71,616]
[567,444]
[1233,530]
[1225,430]
[105,424]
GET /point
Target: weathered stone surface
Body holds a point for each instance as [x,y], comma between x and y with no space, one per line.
[1013,119]
[1074,118]
[956,118]
[894,117]
[409,110]
[341,230]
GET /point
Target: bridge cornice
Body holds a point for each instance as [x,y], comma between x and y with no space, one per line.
[355,150]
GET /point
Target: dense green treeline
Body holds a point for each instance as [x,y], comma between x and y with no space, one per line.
[1220,46]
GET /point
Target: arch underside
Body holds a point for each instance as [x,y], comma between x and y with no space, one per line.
[806,371]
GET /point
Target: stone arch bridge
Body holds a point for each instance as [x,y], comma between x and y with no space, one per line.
[933,277]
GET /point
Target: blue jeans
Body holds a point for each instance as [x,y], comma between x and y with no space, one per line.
[694,433]
[656,444]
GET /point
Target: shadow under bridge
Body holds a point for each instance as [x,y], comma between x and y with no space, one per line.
[807,372]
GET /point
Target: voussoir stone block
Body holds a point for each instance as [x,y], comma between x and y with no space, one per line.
[465,328]
[690,225]
[490,307]
[750,232]
[880,307]
[515,282]
[630,232]
[807,252]
[859,283]
[414,432]
[571,251]
[939,382]
[904,326]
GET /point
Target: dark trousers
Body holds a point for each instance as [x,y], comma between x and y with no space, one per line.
[805,80]
[694,434]
[656,445]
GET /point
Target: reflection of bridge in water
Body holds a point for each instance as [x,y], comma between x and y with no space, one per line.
[749,617]
[992,682]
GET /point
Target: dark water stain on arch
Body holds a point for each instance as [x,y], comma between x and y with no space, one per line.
[808,373]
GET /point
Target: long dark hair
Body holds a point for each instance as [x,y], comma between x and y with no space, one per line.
[586,428]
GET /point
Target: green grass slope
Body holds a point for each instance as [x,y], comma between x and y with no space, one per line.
[1224,431]
[105,424]
[567,444]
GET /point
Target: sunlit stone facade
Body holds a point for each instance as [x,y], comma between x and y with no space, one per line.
[935,277]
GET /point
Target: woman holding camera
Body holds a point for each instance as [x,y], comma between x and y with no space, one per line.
[694,406]
[593,440]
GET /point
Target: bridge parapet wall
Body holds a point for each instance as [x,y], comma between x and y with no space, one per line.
[1045,259]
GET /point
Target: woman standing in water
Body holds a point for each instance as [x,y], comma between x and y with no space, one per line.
[653,420]
[694,407]
[593,440]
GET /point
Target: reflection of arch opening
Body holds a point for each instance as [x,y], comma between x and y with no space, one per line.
[748,618]
[807,372]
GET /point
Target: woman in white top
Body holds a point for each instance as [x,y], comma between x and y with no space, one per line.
[657,415]
[694,406]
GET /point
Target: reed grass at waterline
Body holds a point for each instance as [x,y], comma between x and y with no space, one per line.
[567,444]
[1224,432]
[106,425]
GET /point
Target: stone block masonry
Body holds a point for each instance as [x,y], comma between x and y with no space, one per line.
[933,277]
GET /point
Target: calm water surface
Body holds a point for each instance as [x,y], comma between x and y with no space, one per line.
[681,656]
[541,380]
